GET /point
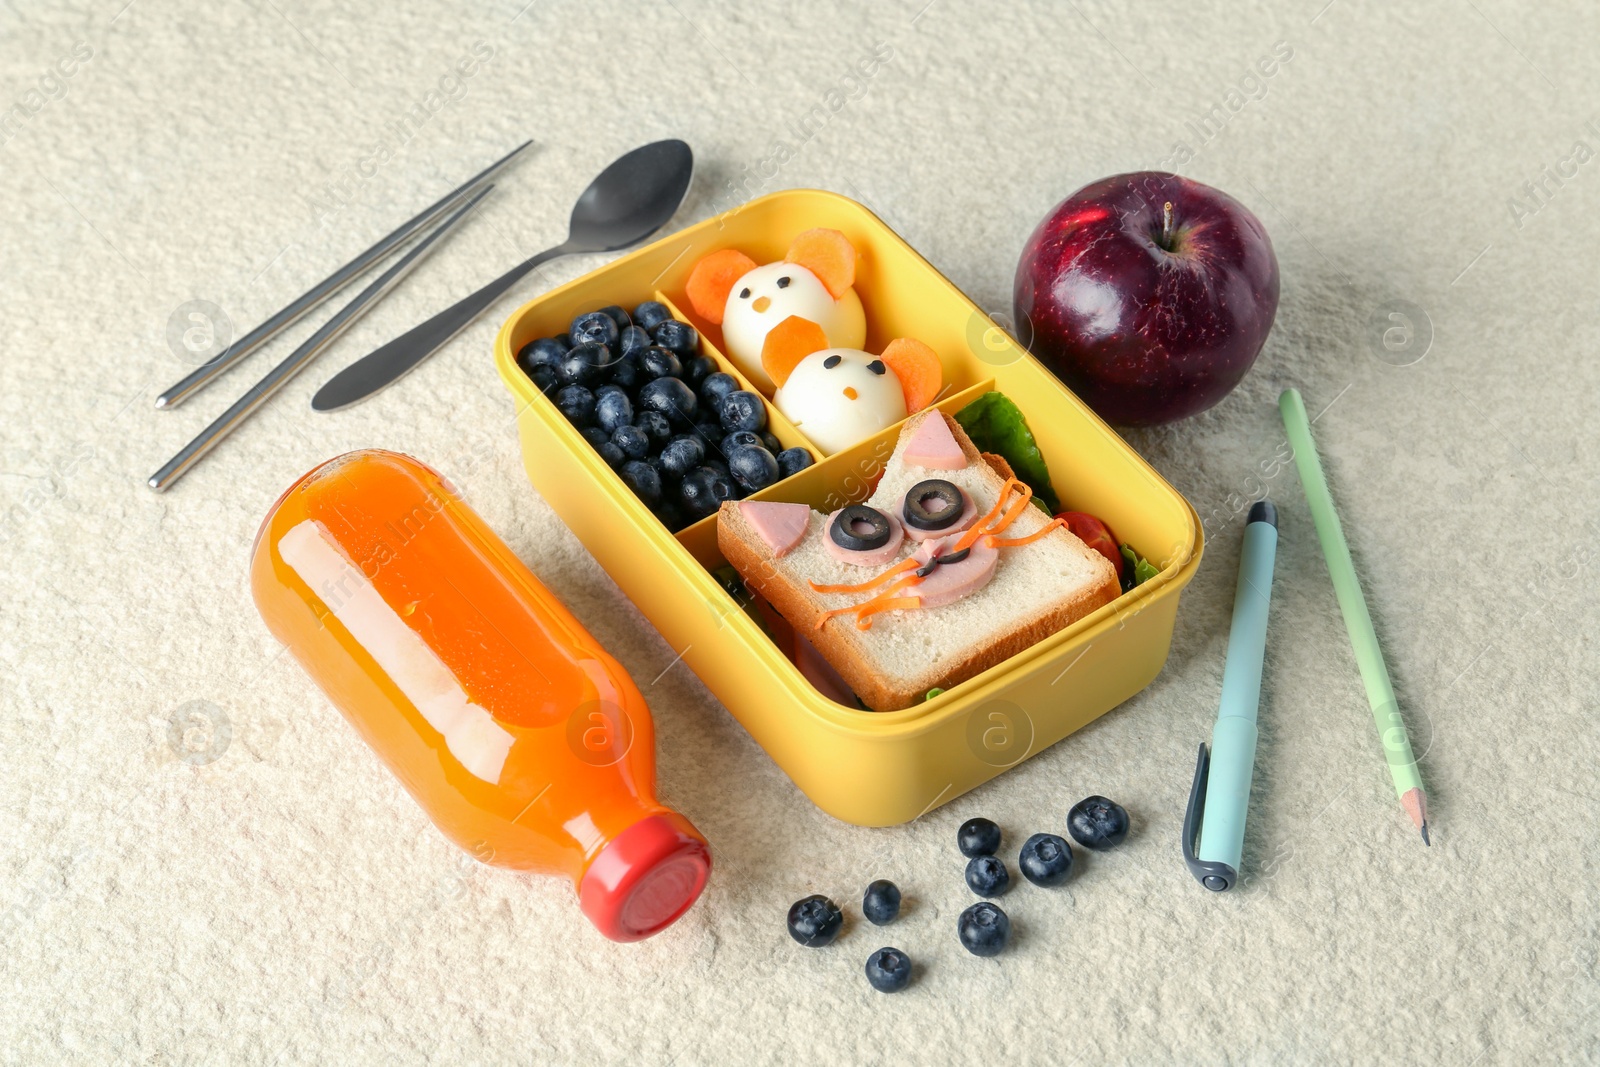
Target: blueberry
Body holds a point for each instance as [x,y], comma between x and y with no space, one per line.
[595,436]
[612,408]
[704,489]
[634,442]
[595,328]
[889,970]
[770,441]
[881,903]
[668,396]
[655,426]
[743,410]
[650,314]
[678,336]
[1097,823]
[716,386]
[814,921]
[740,439]
[658,362]
[978,837]
[624,373]
[643,480]
[632,340]
[983,929]
[752,467]
[793,461]
[987,876]
[583,365]
[617,315]
[710,432]
[576,403]
[612,455]
[1046,860]
[697,369]
[682,454]
[544,350]
[670,512]
[543,376]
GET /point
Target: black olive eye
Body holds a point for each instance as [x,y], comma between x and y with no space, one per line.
[876,366]
[744,294]
[832,361]
[933,505]
[859,528]
[783,282]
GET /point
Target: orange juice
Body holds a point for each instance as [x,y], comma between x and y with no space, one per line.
[526,743]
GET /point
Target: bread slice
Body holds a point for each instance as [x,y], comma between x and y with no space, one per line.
[1037,589]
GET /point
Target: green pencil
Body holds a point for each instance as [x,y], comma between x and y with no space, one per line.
[1357,620]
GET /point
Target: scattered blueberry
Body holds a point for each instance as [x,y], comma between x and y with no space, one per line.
[710,432]
[611,454]
[978,837]
[658,362]
[583,365]
[881,903]
[576,403]
[632,340]
[544,350]
[595,328]
[889,970]
[697,369]
[668,396]
[987,876]
[617,315]
[655,425]
[595,436]
[983,929]
[715,387]
[770,441]
[741,439]
[1046,860]
[793,461]
[704,489]
[682,454]
[543,376]
[1097,823]
[743,410]
[814,921]
[612,408]
[643,480]
[678,336]
[752,466]
[634,442]
[650,314]
[670,512]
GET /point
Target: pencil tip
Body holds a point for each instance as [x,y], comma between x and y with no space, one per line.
[1425,840]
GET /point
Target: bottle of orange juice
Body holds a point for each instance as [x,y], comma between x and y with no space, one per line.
[523,740]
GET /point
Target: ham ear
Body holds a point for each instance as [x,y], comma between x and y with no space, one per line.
[787,344]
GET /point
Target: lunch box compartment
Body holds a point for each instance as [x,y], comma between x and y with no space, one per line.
[867,768]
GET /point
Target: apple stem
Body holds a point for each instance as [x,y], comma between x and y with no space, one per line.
[1166,225]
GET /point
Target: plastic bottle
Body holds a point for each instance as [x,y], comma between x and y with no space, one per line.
[523,740]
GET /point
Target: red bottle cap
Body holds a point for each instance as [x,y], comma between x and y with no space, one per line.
[645,878]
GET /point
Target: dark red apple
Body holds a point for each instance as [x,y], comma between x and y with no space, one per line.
[1148,294]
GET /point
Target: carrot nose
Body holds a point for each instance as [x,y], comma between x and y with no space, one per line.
[762,303]
[850,392]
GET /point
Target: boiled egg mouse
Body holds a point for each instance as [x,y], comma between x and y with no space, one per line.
[836,396]
[814,281]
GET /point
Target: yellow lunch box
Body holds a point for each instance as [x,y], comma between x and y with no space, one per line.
[867,768]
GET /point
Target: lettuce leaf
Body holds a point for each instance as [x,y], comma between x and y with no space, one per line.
[996,425]
[1138,570]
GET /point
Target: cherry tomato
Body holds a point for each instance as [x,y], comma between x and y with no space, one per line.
[1096,534]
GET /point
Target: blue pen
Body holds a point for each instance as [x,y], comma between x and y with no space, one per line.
[1213,827]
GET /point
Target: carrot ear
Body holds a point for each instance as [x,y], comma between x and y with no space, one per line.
[787,344]
[712,280]
[829,255]
[917,367]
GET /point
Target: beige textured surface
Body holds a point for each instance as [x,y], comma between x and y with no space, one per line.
[285,902]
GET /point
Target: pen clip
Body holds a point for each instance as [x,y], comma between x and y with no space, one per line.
[1213,875]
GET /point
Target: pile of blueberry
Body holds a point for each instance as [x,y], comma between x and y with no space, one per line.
[983,929]
[681,433]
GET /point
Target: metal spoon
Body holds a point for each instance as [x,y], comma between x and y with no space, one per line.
[630,200]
